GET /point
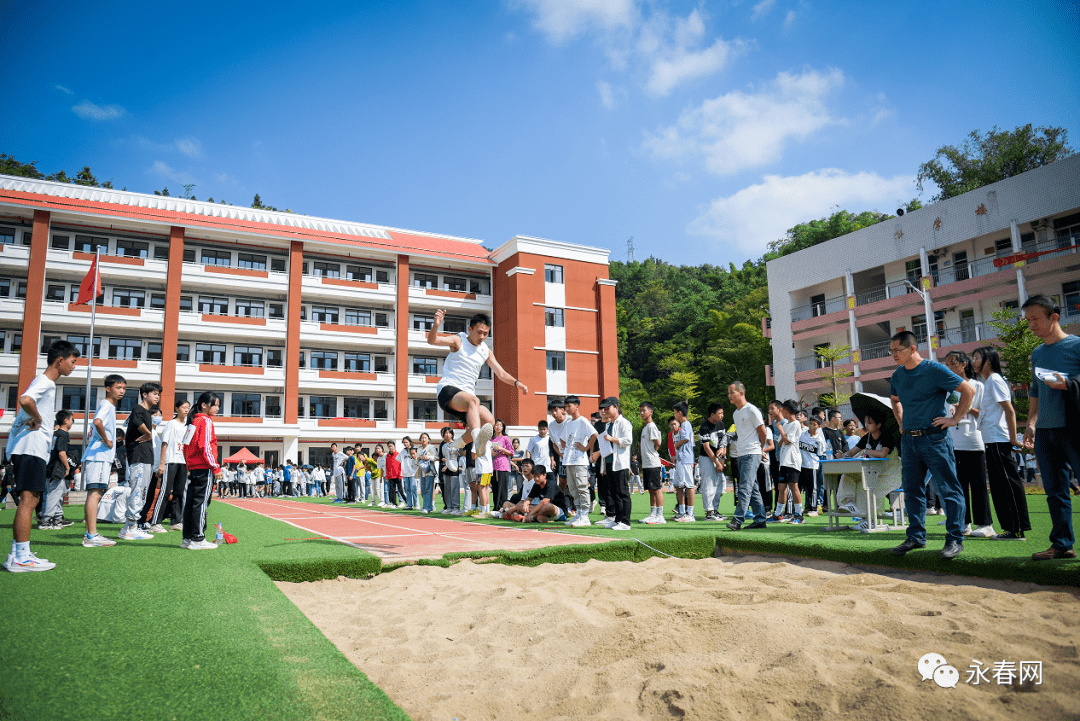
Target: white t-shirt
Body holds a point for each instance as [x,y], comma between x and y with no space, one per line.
[462,367]
[557,431]
[811,447]
[966,435]
[483,462]
[577,431]
[408,466]
[21,439]
[650,457]
[96,450]
[339,461]
[747,419]
[539,451]
[684,454]
[789,452]
[992,422]
[173,437]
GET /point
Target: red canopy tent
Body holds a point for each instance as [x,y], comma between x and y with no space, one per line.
[243,456]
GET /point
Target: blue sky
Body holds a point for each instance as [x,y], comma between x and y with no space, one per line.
[704,130]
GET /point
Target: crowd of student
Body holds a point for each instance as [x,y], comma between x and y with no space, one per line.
[168,470]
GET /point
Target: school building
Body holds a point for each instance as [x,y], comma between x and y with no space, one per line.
[312,330]
[939,271]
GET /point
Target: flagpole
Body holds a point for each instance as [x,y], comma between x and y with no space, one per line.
[90,353]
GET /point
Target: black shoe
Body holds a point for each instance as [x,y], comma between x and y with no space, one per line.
[908,545]
[952,549]
[757,524]
[62,522]
[735,525]
[1010,536]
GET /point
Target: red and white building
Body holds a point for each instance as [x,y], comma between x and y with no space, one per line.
[944,262]
[312,330]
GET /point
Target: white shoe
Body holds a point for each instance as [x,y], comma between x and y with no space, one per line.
[571,519]
[658,520]
[133,534]
[651,518]
[97,540]
[495,514]
[457,512]
[620,527]
[176,527]
[608,522]
[482,438]
[425,511]
[445,512]
[862,526]
[984,532]
[157,528]
[849,508]
[185,543]
[28,565]
[580,522]
[203,545]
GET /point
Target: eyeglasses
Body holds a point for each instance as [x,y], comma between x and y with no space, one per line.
[897,351]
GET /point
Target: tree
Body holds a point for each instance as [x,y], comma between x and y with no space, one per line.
[164,192]
[835,378]
[985,159]
[811,233]
[10,166]
[1015,343]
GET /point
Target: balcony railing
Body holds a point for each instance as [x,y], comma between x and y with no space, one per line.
[815,362]
[812,310]
[970,334]
[872,351]
[883,292]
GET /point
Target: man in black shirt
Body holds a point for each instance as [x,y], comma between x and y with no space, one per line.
[550,503]
[711,461]
[51,504]
[139,443]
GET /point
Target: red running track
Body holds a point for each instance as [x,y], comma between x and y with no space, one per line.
[399,537]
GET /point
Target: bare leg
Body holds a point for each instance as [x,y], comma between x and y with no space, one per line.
[24,515]
[656,499]
[92,498]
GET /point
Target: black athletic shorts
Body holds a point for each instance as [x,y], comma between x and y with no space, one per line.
[29,473]
[445,396]
[653,478]
[789,474]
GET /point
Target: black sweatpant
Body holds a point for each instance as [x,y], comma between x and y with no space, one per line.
[499,482]
[971,472]
[200,485]
[618,488]
[1006,488]
[394,487]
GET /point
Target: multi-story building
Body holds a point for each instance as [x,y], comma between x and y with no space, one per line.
[940,271]
[310,330]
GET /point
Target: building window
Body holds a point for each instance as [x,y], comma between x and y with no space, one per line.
[553,273]
[382,276]
[324,314]
[913,269]
[47,341]
[425,366]
[357,317]
[1003,247]
[5,287]
[125,349]
[456,284]
[382,320]
[274,357]
[324,360]
[250,262]
[55,292]
[358,362]
[247,404]
[250,308]
[183,353]
[189,255]
[277,265]
[20,291]
[322,406]
[422,322]
[153,350]
[90,244]
[302,359]
[210,353]
[818,304]
[219,258]
[556,360]
[213,306]
[12,398]
[553,317]
[1071,293]
[60,242]
[7,235]
[273,406]
[326,270]
[81,341]
[424,410]
[161,252]
[454,324]
[129,401]
[157,301]
[75,398]
[381,364]
[357,408]
[358,272]
[16,343]
[185,303]
[247,356]
[277,310]
[424,280]
[380,412]
[485,372]
[300,407]
[124,298]
[132,248]
[479,286]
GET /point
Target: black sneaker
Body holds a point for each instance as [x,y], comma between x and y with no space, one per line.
[62,522]
[735,525]
[757,524]
[1010,536]
[907,545]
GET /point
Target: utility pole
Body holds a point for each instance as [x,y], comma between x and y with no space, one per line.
[630,250]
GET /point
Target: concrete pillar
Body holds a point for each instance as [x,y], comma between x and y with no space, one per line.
[853,330]
[609,342]
[171,330]
[931,326]
[401,353]
[1017,247]
[292,334]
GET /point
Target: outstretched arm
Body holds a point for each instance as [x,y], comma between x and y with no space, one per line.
[433,337]
[503,375]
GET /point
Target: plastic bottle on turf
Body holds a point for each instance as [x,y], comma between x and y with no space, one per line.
[220,535]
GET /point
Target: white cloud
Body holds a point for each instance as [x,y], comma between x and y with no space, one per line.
[762,9]
[164,170]
[89,111]
[563,19]
[607,94]
[790,19]
[682,65]
[755,216]
[62,89]
[191,147]
[744,130]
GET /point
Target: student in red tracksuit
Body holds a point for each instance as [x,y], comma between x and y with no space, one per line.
[393,474]
[200,453]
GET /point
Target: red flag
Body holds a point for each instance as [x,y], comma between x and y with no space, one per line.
[90,287]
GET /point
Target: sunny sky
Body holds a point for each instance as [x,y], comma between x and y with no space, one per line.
[702,129]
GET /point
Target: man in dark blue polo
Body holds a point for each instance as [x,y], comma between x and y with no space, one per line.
[918,390]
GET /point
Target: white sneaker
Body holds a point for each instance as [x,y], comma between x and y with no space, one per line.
[176,527]
[620,527]
[457,512]
[157,528]
[203,545]
[984,532]
[651,518]
[28,565]
[133,534]
[425,511]
[658,520]
[495,514]
[849,508]
[607,522]
[482,439]
[569,521]
[97,540]
[445,512]
[185,543]
[580,522]
[862,526]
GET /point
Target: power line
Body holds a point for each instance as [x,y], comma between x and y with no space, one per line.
[630,250]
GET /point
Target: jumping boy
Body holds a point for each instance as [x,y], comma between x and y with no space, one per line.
[457,387]
[28,451]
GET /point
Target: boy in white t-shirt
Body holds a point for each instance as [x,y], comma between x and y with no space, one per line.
[684,464]
[812,447]
[790,461]
[539,448]
[650,465]
[28,446]
[482,487]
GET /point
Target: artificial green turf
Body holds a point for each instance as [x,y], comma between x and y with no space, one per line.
[147,629]
[982,557]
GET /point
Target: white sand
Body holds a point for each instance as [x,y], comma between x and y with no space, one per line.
[710,639]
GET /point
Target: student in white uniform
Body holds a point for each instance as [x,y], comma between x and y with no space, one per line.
[457,387]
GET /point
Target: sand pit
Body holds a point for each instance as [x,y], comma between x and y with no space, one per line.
[711,639]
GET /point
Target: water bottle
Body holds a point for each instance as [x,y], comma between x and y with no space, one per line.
[219,537]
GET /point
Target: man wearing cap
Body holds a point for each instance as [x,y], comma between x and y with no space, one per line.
[918,390]
[620,434]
